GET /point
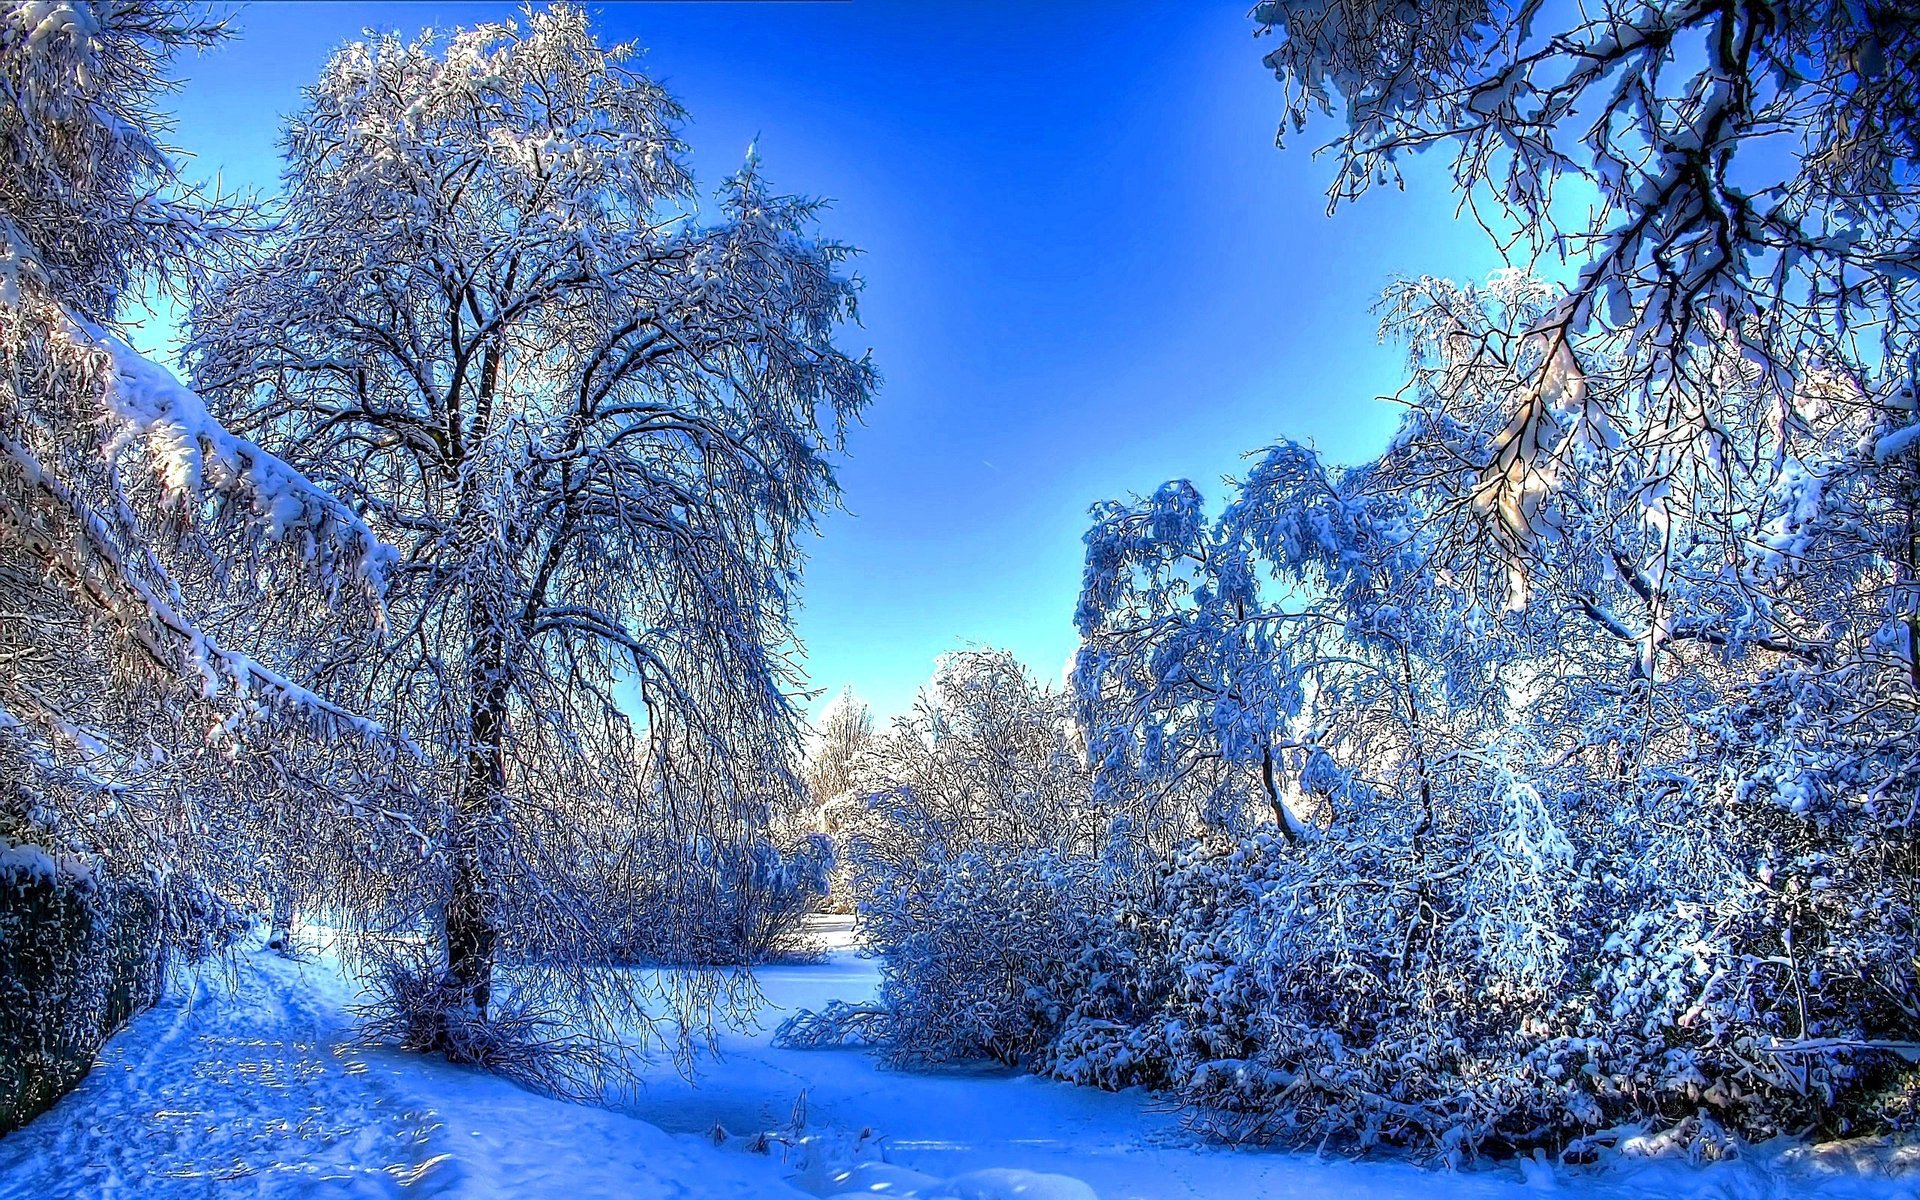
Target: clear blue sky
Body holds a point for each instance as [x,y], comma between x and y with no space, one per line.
[1088,270]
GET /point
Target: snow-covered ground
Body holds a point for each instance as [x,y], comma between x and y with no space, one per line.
[251,1086]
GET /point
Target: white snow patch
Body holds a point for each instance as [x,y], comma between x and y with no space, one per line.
[1897,442]
[37,862]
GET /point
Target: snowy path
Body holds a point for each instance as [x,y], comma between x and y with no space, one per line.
[252,1087]
[256,1089]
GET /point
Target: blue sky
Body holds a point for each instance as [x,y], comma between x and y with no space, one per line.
[1088,270]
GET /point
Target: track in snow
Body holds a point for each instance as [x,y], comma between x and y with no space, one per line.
[248,1084]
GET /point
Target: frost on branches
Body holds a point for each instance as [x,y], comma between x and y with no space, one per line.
[595,428]
[161,574]
[1737,184]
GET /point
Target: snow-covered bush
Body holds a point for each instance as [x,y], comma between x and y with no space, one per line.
[1586,777]
[1118,985]
[978,947]
[527,1036]
[1344,993]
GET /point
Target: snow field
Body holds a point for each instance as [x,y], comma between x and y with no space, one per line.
[250,1083]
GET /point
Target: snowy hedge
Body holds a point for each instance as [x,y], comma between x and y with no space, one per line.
[78,957]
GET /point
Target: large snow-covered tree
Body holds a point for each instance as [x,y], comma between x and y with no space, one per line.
[595,424]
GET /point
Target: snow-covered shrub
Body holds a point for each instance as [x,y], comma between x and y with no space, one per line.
[978,950]
[1537,970]
[837,1023]
[1547,965]
[1114,1033]
[771,893]
[995,952]
[970,850]
[1340,992]
[1761,970]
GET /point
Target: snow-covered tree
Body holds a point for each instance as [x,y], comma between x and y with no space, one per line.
[970,838]
[594,424]
[1754,181]
[988,754]
[168,585]
[845,733]
[1625,833]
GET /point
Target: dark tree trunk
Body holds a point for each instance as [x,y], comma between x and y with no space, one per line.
[469,918]
[280,925]
[470,934]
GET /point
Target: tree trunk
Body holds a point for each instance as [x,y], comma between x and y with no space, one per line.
[469,916]
[280,924]
[1272,783]
[468,919]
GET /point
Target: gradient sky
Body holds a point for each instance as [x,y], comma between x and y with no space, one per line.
[1088,270]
